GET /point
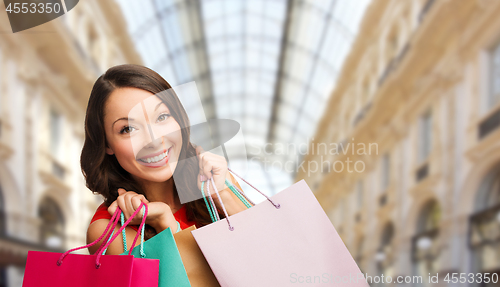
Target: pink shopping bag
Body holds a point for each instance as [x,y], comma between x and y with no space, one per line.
[51,269]
[283,241]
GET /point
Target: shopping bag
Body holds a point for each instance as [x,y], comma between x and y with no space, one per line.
[285,240]
[197,269]
[51,269]
[163,247]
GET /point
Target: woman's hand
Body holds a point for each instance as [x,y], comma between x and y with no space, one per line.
[159,215]
[212,165]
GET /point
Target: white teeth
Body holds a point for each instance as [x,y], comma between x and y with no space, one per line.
[156,158]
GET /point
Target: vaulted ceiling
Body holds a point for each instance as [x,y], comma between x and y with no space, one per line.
[268,64]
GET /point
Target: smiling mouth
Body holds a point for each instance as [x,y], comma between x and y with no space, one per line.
[157,158]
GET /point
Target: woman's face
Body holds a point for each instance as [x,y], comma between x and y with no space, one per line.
[142,134]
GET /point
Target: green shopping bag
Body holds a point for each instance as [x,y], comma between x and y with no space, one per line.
[163,247]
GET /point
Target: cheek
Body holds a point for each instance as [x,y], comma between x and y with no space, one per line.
[174,135]
[124,150]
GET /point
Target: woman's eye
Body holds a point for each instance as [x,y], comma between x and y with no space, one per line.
[126,129]
[163,117]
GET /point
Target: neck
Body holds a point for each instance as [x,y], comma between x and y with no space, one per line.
[162,192]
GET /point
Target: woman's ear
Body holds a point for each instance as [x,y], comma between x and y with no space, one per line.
[109,151]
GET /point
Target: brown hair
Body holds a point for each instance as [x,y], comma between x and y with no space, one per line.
[102,172]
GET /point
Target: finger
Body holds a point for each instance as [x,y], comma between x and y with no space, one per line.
[206,169]
[120,201]
[112,208]
[121,191]
[219,165]
[201,160]
[136,202]
[199,150]
[128,203]
[214,163]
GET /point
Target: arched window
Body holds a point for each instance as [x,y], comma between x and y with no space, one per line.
[484,235]
[425,245]
[429,218]
[52,225]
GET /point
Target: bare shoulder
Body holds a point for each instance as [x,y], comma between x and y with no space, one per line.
[97,228]
[94,231]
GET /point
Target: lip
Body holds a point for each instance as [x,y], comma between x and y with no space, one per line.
[161,163]
[154,154]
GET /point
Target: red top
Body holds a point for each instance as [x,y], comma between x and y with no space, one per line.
[180,215]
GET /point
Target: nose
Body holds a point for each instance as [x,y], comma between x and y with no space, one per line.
[154,144]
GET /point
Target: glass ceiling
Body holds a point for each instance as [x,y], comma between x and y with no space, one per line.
[268,64]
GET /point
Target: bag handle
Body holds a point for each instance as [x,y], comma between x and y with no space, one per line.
[112,222]
[210,206]
[124,237]
[212,209]
[248,203]
[108,237]
[220,200]
[110,234]
[277,205]
[139,232]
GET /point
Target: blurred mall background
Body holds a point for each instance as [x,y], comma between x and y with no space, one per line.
[389,109]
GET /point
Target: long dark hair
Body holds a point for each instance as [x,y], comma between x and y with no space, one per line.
[103,174]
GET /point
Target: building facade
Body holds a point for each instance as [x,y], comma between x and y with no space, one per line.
[46,75]
[410,146]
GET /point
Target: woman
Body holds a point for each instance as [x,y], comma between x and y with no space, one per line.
[126,168]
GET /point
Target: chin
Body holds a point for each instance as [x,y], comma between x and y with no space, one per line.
[157,175]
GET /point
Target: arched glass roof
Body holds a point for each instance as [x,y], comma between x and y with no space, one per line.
[268,64]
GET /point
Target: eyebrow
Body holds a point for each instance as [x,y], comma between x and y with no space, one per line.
[158,105]
[127,119]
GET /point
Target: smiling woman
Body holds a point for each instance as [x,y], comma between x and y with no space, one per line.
[149,137]
[137,137]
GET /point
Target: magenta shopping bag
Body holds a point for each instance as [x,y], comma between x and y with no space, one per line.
[283,241]
[51,269]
